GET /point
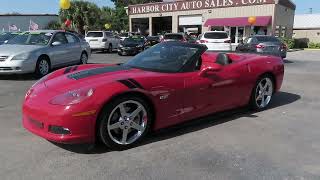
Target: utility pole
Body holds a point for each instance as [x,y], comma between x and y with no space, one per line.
[310,10]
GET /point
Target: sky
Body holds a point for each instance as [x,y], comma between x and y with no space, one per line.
[52,6]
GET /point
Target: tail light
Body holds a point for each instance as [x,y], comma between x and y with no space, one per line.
[203,41]
[227,41]
[104,40]
[259,46]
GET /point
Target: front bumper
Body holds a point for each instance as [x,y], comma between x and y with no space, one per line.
[17,66]
[129,50]
[81,125]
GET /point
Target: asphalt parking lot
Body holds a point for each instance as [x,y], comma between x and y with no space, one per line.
[281,143]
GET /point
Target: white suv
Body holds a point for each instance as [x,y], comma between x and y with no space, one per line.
[102,40]
[216,41]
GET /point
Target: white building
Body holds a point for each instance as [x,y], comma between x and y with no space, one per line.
[307,27]
[22,21]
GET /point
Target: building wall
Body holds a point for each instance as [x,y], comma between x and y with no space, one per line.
[245,11]
[285,18]
[311,35]
[23,21]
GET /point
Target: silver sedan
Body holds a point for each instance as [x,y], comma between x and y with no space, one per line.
[40,51]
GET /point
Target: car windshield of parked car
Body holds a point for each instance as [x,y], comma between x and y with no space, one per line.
[28,38]
[133,41]
[267,39]
[216,35]
[5,36]
[173,36]
[166,57]
[95,34]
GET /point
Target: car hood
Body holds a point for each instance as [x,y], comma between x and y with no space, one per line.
[14,49]
[76,77]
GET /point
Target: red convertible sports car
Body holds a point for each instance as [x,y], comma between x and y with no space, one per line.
[165,85]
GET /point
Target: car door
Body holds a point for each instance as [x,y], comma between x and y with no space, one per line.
[59,51]
[74,47]
[217,92]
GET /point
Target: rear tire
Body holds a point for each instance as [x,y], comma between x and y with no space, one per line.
[262,93]
[84,58]
[110,48]
[124,122]
[42,67]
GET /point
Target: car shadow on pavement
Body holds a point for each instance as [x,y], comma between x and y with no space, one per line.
[287,61]
[279,99]
[18,77]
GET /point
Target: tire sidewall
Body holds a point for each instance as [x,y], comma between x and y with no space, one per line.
[103,134]
[83,54]
[110,48]
[37,71]
[253,103]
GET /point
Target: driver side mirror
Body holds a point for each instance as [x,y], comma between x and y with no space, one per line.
[56,43]
[210,71]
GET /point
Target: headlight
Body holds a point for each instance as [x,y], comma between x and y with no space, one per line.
[140,46]
[23,56]
[72,97]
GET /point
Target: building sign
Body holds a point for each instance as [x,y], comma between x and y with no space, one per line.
[192,5]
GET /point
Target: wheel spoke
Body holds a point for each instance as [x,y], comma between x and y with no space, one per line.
[262,101]
[124,136]
[137,126]
[269,93]
[260,86]
[136,112]
[258,98]
[114,126]
[123,111]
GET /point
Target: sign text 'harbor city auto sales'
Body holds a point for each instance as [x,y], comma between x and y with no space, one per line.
[192,5]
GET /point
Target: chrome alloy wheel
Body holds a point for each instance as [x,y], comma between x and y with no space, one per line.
[264,92]
[43,67]
[127,122]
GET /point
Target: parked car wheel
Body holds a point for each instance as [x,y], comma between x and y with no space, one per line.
[43,66]
[110,48]
[262,93]
[120,53]
[124,122]
[84,58]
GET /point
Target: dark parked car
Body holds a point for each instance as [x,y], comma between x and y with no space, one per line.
[151,41]
[263,44]
[174,37]
[131,46]
[5,36]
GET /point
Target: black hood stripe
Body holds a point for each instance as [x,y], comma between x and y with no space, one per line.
[127,83]
[67,70]
[135,83]
[96,71]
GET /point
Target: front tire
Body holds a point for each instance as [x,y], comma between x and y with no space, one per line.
[124,122]
[84,58]
[42,67]
[262,93]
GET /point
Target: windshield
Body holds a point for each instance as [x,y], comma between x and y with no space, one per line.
[6,36]
[216,35]
[267,39]
[133,41]
[166,57]
[95,34]
[31,39]
[173,36]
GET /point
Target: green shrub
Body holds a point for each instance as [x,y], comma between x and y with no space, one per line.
[314,45]
[289,42]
